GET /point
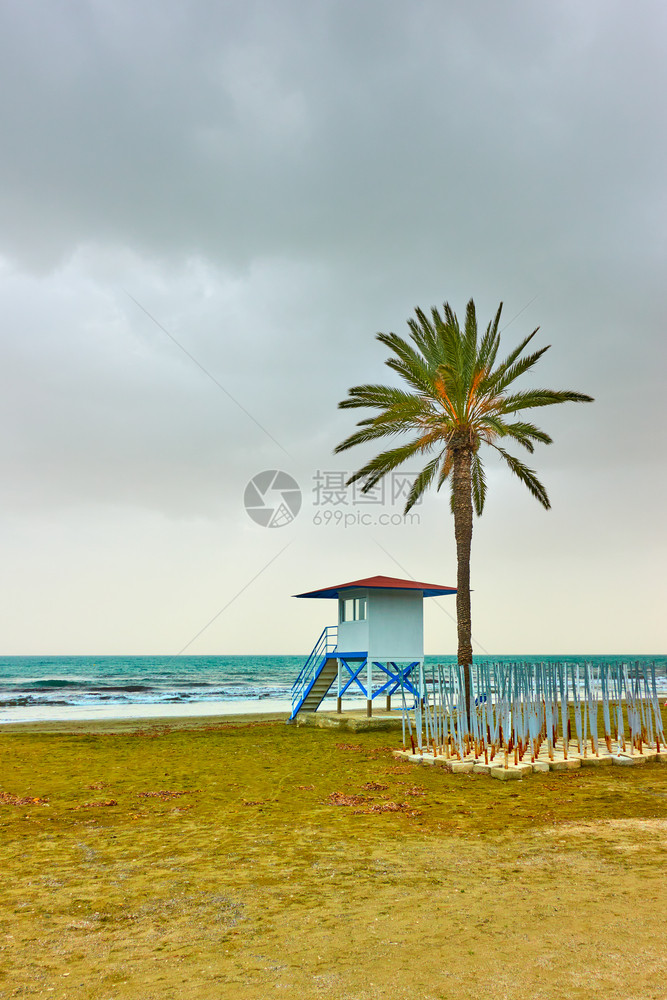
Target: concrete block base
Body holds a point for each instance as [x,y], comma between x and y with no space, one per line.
[513,772]
[564,764]
[481,768]
[350,720]
[452,764]
[496,768]
[540,766]
[628,760]
[413,758]
[460,766]
[592,761]
[358,723]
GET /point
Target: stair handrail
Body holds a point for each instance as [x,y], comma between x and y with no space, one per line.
[326,643]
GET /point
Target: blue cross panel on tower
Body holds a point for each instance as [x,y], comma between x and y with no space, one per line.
[321,670]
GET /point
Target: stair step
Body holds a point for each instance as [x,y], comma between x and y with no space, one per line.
[319,685]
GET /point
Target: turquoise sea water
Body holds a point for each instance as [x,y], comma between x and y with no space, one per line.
[38,682]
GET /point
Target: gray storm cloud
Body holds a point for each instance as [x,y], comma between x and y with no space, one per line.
[239,131]
[274,183]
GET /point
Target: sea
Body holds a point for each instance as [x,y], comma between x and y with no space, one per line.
[37,688]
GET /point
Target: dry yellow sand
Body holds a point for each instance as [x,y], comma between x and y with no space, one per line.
[254,884]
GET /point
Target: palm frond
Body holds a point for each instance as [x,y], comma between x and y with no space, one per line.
[449,338]
[520,367]
[415,372]
[492,424]
[423,334]
[469,344]
[522,429]
[488,348]
[527,477]
[450,317]
[422,482]
[478,483]
[407,362]
[371,431]
[446,468]
[540,397]
[380,396]
[387,461]
[513,355]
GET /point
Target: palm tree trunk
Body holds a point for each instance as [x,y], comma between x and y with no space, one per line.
[462,483]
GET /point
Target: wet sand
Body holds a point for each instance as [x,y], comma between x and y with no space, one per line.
[142,723]
[129,716]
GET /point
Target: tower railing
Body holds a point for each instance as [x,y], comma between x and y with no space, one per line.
[323,648]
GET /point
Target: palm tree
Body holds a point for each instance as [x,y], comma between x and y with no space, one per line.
[456,398]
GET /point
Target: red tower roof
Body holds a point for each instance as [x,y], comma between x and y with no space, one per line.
[382,583]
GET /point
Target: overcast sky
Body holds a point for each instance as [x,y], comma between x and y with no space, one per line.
[207,211]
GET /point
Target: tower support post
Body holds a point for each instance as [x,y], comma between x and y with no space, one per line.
[339,700]
[369,688]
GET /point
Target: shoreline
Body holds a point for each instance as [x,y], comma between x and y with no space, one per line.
[131,717]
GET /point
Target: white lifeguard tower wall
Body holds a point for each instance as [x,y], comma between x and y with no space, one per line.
[393,629]
[380,630]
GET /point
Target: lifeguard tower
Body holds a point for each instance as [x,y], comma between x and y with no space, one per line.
[376,645]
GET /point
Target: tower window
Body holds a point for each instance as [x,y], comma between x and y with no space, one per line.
[353,609]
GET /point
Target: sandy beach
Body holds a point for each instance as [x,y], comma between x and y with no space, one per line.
[237,857]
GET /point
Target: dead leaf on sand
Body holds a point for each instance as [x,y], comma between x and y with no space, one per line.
[389,807]
[340,799]
[7,799]
[165,794]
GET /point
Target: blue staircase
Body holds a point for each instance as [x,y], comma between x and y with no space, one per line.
[317,674]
